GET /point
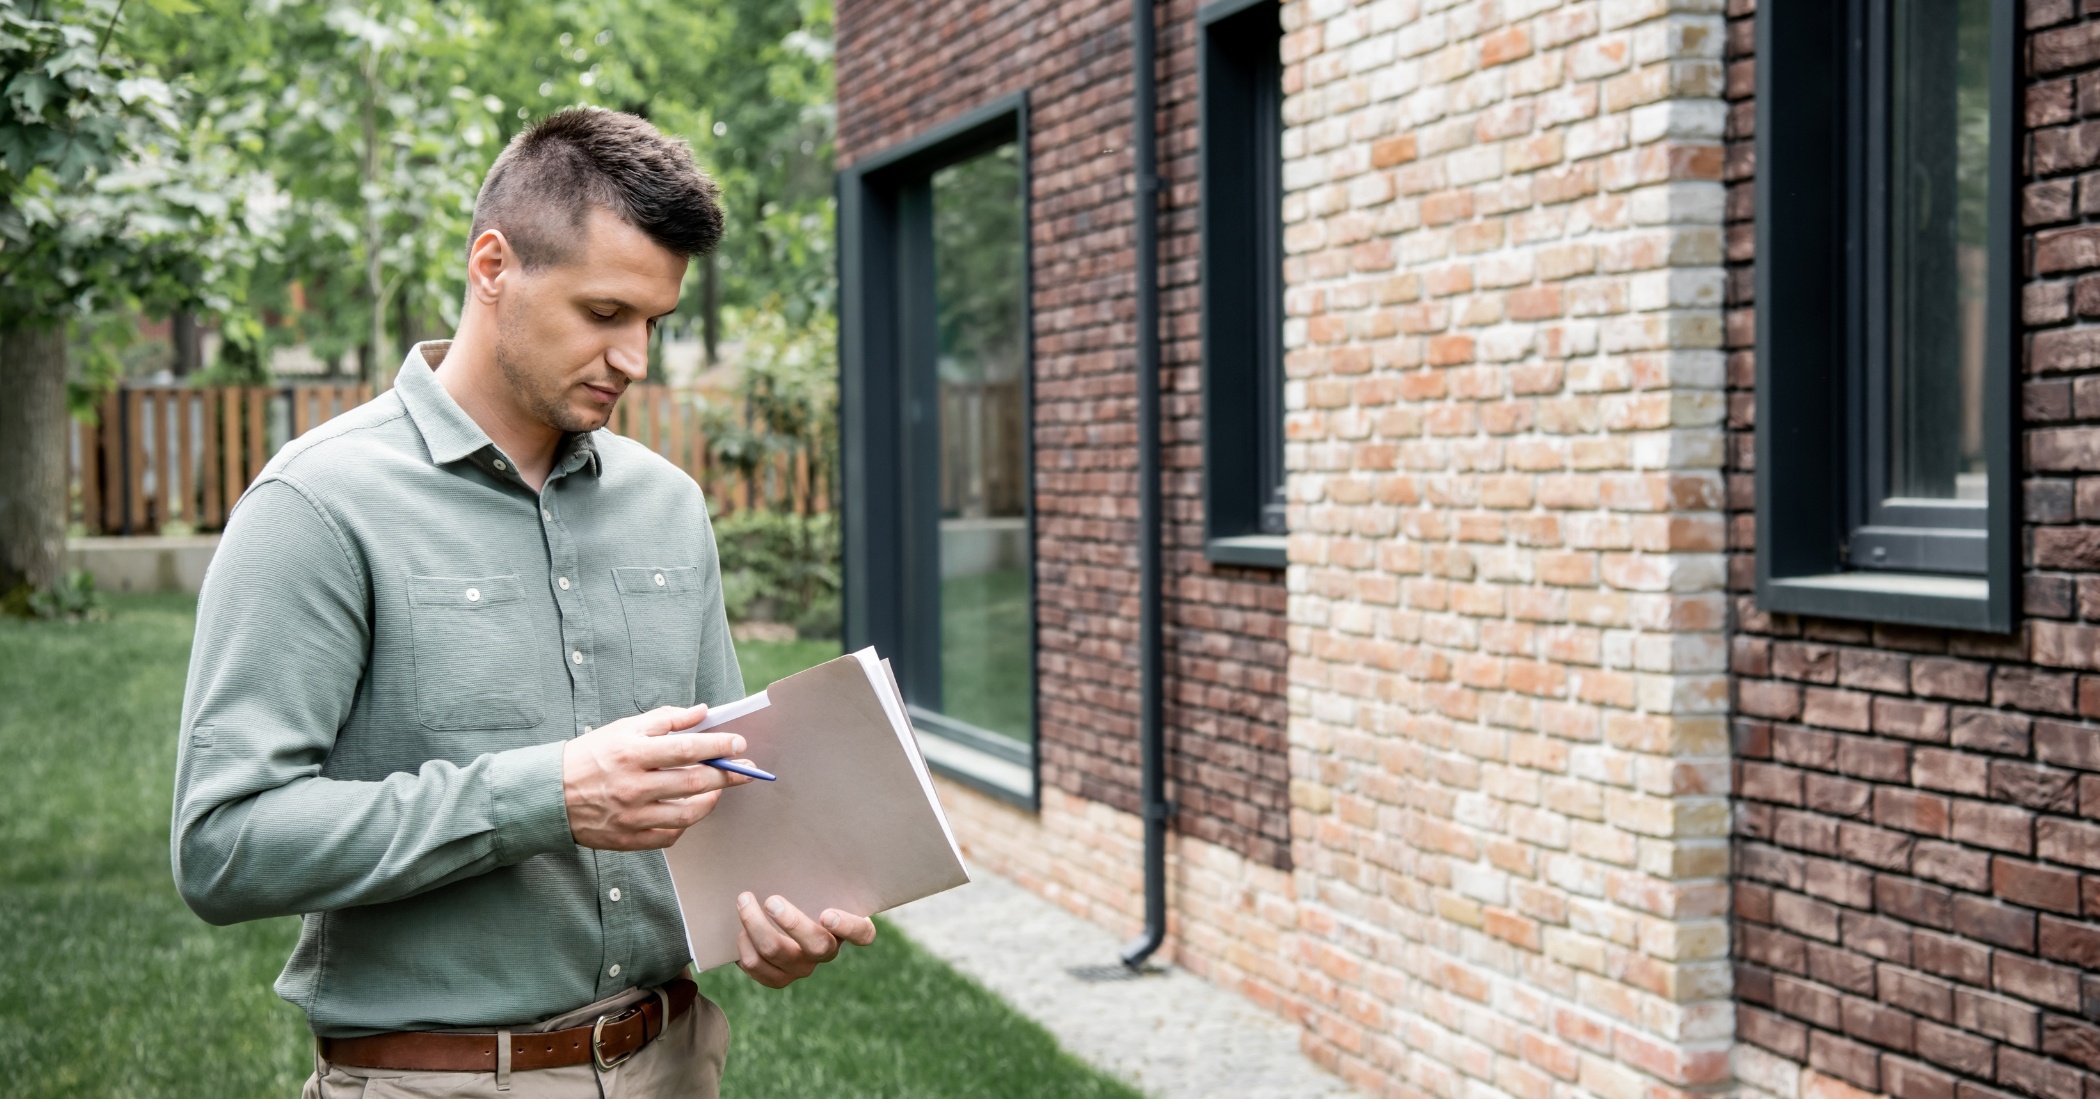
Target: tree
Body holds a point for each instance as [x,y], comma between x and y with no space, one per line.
[101,200]
[382,116]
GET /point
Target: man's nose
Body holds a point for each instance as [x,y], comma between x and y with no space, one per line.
[630,354]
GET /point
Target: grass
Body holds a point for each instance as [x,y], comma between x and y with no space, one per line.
[765,661]
[985,669]
[110,986]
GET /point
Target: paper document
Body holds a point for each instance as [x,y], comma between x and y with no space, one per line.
[853,823]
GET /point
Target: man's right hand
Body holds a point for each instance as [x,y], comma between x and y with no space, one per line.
[631,787]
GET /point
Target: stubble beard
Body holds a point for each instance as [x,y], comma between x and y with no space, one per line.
[543,401]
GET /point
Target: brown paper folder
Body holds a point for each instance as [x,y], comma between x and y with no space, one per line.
[853,823]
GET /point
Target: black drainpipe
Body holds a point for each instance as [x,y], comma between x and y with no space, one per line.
[1152,725]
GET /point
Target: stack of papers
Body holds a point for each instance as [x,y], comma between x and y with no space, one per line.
[853,823]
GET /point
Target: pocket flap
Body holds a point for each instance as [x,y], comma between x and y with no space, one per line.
[465,592]
[651,580]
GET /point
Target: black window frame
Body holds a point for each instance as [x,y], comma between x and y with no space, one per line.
[1240,137]
[886,472]
[1821,411]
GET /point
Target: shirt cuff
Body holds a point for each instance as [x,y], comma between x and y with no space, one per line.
[525,793]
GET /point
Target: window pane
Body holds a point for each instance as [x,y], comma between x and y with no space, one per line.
[986,624]
[1939,148]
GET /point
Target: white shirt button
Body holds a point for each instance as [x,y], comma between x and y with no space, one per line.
[500,465]
[473,595]
[576,656]
[659,580]
[613,972]
[547,515]
[614,893]
[563,582]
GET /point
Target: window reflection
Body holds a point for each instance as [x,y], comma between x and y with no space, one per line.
[1938,186]
[986,621]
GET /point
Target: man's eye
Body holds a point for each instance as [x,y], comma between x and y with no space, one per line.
[603,316]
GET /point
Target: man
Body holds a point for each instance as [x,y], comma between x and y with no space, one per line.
[438,655]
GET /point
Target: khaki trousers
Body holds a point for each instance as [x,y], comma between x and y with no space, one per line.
[684,1062]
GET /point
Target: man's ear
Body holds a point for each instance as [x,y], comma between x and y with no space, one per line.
[490,261]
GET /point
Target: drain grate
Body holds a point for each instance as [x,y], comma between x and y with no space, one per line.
[1099,974]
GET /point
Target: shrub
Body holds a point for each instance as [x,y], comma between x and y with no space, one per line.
[781,567]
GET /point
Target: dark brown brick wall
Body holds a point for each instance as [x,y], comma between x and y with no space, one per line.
[1918,863]
[904,67]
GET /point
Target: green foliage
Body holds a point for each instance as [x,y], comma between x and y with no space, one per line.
[787,401]
[380,117]
[72,599]
[781,567]
[978,277]
[106,195]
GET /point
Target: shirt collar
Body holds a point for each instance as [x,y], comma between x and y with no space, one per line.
[449,432]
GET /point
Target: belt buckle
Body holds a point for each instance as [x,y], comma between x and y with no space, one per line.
[598,1036]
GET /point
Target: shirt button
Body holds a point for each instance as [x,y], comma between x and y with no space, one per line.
[563,581]
[473,595]
[614,893]
[547,515]
[575,656]
[659,580]
[613,972]
[500,465]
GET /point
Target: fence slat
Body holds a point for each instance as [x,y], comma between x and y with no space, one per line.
[164,453]
[134,462]
[90,474]
[258,433]
[208,465]
[183,488]
[164,495]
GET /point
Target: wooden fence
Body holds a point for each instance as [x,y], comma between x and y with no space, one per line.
[164,454]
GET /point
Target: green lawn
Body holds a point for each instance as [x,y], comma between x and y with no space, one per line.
[765,661]
[985,670]
[109,986]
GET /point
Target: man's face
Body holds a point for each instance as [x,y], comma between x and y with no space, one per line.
[571,337]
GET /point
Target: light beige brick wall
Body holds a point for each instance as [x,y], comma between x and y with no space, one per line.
[1508,696]
[1229,918]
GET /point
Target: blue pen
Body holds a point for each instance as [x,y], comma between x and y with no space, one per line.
[740,769]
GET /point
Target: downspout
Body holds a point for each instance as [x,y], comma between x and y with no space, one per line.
[1151,674]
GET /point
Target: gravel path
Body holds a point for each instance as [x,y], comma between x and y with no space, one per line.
[1172,1034]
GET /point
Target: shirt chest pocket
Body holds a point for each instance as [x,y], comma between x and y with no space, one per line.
[473,652]
[662,606]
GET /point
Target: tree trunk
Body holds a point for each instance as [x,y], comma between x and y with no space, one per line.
[33,427]
[183,330]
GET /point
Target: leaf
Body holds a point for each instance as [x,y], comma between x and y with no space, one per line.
[35,89]
[174,7]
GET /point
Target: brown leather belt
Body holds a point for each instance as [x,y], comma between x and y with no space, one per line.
[606,1042]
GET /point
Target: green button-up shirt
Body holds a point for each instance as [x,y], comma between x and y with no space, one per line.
[394,640]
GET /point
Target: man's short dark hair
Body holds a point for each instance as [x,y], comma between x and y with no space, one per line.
[546,182]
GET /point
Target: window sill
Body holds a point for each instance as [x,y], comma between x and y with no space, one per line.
[986,762]
[1909,598]
[1260,551]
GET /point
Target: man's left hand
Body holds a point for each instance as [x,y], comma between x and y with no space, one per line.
[779,945]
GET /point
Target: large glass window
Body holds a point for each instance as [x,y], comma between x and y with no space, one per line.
[1242,219]
[935,456]
[1923,234]
[986,668]
[1887,137]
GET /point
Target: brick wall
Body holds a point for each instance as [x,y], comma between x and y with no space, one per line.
[904,67]
[1507,674]
[1914,832]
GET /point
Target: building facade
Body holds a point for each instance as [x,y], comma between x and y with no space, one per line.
[1629,614]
